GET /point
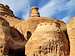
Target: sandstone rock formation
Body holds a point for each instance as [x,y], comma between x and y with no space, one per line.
[31,24]
[48,40]
[10,38]
[4,9]
[35,12]
[4,34]
[27,25]
[42,36]
[7,14]
[71,34]
[16,44]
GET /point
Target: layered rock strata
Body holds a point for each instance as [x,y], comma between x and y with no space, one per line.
[48,40]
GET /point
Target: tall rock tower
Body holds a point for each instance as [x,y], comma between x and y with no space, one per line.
[31,23]
[49,37]
[35,12]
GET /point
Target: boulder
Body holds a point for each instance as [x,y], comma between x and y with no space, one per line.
[48,39]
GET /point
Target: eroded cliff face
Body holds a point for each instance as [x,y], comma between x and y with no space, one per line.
[71,34]
[41,36]
[23,26]
[48,40]
[4,34]
[32,22]
[5,9]
[8,15]
[16,44]
[10,38]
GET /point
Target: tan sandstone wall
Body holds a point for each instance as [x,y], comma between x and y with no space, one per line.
[71,34]
[48,40]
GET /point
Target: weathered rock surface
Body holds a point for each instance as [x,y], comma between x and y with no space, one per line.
[48,40]
[7,14]
[31,24]
[16,44]
[27,25]
[35,12]
[12,20]
[4,34]
[5,9]
[10,38]
[71,34]
[45,36]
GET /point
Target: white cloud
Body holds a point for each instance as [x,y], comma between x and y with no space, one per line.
[16,4]
[66,19]
[52,7]
[57,6]
[70,7]
[48,10]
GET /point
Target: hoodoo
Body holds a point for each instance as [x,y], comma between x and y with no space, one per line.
[49,37]
[35,12]
[31,23]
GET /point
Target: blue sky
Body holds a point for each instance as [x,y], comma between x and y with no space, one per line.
[59,9]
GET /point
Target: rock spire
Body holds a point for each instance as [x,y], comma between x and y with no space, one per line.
[35,12]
